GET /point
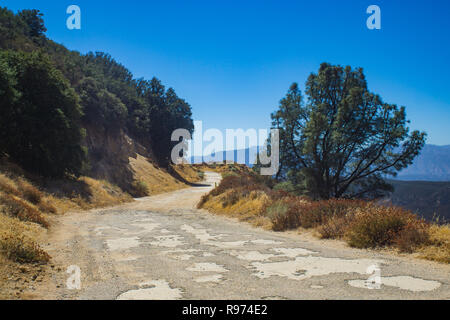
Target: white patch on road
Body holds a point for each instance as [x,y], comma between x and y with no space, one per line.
[251,255]
[126,258]
[401,282]
[123,243]
[207,267]
[145,220]
[263,241]
[200,234]
[230,244]
[208,254]
[99,230]
[213,278]
[148,227]
[170,241]
[159,290]
[293,252]
[307,267]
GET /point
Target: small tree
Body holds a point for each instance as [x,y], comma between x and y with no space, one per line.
[344,140]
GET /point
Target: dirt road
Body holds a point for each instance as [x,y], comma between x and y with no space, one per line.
[161,247]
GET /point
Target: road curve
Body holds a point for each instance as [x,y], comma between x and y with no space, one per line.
[161,247]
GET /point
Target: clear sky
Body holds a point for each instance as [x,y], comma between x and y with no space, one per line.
[234,60]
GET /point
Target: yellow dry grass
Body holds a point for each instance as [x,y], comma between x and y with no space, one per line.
[223,168]
[247,208]
[158,180]
[18,240]
[101,194]
[438,248]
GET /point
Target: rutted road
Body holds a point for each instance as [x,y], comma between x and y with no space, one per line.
[161,247]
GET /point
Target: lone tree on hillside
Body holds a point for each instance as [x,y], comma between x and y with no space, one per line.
[344,139]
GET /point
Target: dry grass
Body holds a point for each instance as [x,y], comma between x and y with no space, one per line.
[248,208]
[360,223]
[17,241]
[152,180]
[438,248]
[223,168]
[86,193]
[189,173]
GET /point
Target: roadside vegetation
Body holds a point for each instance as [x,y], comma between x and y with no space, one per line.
[360,223]
[337,146]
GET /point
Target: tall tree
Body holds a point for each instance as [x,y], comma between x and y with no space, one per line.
[41,127]
[33,18]
[344,140]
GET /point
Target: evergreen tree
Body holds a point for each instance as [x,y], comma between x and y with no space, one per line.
[41,128]
[344,139]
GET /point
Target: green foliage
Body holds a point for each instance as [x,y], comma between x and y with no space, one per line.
[167,112]
[101,108]
[33,19]
[40,127]
[41,111]
[140,189]
[344,139]
[286,186]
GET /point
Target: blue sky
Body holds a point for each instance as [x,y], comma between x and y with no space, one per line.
[234,60]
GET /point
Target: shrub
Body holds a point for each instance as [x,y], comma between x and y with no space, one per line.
[277,212]
[232,197]
[412,236]
[378,226]
[286,186]
[335,227]
[21,249]
[311,214]
[140,189]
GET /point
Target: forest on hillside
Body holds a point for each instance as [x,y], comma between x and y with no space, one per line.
[49,95]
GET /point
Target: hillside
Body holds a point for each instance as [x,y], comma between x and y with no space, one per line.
[67,113]
[78,132]
[428,199]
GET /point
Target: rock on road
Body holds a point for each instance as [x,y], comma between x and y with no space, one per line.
[161,247]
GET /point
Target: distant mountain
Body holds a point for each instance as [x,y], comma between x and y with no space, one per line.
[433,164]
[231,155]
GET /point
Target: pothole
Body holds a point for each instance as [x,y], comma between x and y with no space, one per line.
[312,266]
[152,290]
